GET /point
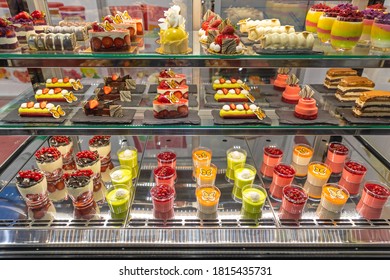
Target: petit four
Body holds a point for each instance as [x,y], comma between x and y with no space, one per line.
[41,109]
[242,111]
[350,88]
[346,30]
[169,76]
[256,32]
[280,82]
[295,40]
[80,32]
[334,76]
[51,41]
[234,94]
[105,38]
[227,42]
[170,107]
[375,103]
[307,106]
[207,198]
[64,83]
[8,39]
[173,88]
[227,83]
[291,92]
[173,36]
[55,95]
[102,108]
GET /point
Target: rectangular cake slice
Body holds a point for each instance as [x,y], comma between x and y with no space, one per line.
[349,88]
[334,76]
[375,103]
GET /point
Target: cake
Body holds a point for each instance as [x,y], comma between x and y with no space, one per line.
[334,76]
[51,42]
[8,39]
[102,108]
[173,88]
[173,36]
[349,88]
[169,76]
[313,15]
[208,19]
[123,21]
[55,95]
[227,83]
[170,107]
[207,198]
[256,32]
[212,31]
[280,82]
[80,32]
[64,83]
[105,38]
[241,111]
[346,30]
[39,21]
[227,42]
[291,41]
[375,103]
[65,145]
[291,93]
[307,106]
[120,83]
[112,93]
[234,95]
[41,109]
[23,23]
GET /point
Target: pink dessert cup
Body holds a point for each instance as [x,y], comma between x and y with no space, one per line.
[283,175]
[166,158]
[294,199]
[163,197]
[375,194]
[368,212]
[266,170]
[272,155]
[336,156]
[165,175]
[352,176]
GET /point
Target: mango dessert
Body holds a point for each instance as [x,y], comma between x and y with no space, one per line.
[313,15]
[317,176]
[207,198]
[368,20]
[346,30]
[380,33]
[325,23]
[334,197]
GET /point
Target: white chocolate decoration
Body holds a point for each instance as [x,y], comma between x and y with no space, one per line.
[49,105]
[240,107]
[51,91]
[253,107]
[36,106]
[228,82]
[48,81]
[226,107]
[239,81]
[60,80]
[244,91]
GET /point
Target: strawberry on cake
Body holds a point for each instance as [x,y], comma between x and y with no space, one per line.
[23,23]
[227,42]
[208,19]
[168,106]
[227,83]
[55,95]
[234,95]
[173,88]
[8,40]
[169,76]
[105,38]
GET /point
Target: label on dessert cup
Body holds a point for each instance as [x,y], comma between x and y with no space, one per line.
[206,172]
[209,196]
[201,155]
[336,194]
[319,170]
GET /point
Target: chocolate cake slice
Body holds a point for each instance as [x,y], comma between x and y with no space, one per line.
[350,88]
[375,103]
[120,83]
[103,108]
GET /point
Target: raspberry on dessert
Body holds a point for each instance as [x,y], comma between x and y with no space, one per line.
[59,140]
[377,190]
[182,110]
[166,156]
[225,91]
[320,7]
[99,140]
[338,148]
[79,173]
[31,175]
[284,170]
[97,28]
[215,24]
[178,94]
[222,80]
[162,99]
[162,192]
[355,167]
[38,14]
[107,42]
[47,154]
[54,80]
[273,151]
[294,195]
[164,85]
[164,171]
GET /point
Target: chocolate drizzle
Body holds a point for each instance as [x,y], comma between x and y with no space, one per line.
[211,36]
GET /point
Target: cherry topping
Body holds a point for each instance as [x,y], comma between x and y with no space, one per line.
[31,175]
[162,191]
[164,85]
[47,153]
[284,170]
[320,7]
[273,151]
[79,173]
[295,195]
[61,139]
[338,148]
[377,190]
[355,167]
[164,171]
[166,156]
[99,139]
[88,154]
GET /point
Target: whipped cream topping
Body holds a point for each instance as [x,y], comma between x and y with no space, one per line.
[239,48]
[226,108]
[23,105]
[39,92]
[49,105]
[244,91]
[253,107]
[219,91]
[236,155]
[201,32]
[216,82]
[51,91]
[49,81]
[232,91]
[215,47]
[228,82]
[203,38]
[240,107]
[60,80]
[36,106]
[245,174]
[253,196]
[128,153]
[239,81]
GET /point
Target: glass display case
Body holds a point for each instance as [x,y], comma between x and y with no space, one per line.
[184,231]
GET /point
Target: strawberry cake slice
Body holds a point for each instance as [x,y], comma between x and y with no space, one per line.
[173,88]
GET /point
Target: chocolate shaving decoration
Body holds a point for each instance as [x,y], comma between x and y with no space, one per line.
[229,46]
[284,70]
[77,182]
[292,80]
[306,92]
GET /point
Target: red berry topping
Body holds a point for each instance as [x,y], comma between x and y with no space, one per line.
[216,23]
[273,151]
[3,22]
[97,28]
[284,170]
[79,173]
[88,155]
[166,156]
[228,30]
[319,7]
[38,14]
[164,85]
[351,15]
[32,175]
[99,141]
[164,171]
[295,195]
[377,190]
[163,99]
[165,74]
[47,154]
[162,192]
[338,148]
[59,141]
[355,167]
[23,16]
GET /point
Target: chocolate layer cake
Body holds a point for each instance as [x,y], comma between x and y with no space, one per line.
[120,83]
[102,108]
[334,76]
[110,93]
[349,88]
[375,103]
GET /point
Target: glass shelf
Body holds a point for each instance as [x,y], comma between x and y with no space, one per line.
[147,57]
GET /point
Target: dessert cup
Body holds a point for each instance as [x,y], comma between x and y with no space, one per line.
[207,198]
[234,157]
[65,145]
[285,215]
[163,197]
[323,213]
[201,156]
[318,175]
[164,215]
[365,38]
[55,185]
[368,212]
[48,159]
[206,175]
[336,156]
[324,27]
[102,145]
[294,199]
[345,33]
[166,158]
[121,175]
[272,156]
[283,175]
[253,199]
[243,175]
[352,176]
[375,194]
[128,156]
[291,94]
[312,18]
[380,33]
[334,197]
[301,157]
[118,199]
[165,175]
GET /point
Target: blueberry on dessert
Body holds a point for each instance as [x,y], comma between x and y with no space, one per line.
[49,159]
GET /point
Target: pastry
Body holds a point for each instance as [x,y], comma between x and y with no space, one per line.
[41,109]
[163,197]
[349,88]
[170,107]
[368,20]
[65,145]
[334,76]
[307,106]
[334,197]
[346,30]
[173,88]
[23,23]
[173,36]
[242,111]
[375,103]
[80,32]
[110,93]
[256,32]
[212,31]
[120,83]
[55,95]
[64,83]
[247,24]
[234,95]
[105,38]
[51,41]
[291,41]
[227,83]
[227,42]
[169,76]
[280,82]
[313,15]
[8,39]
[336,156]
[207,198]
[291,93]
[380,33]
[102,108]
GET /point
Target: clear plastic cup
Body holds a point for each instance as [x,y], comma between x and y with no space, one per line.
[294,199]
[253,198]
[207,198]
[163,197]
[283,175]
[244,174]
[206,175]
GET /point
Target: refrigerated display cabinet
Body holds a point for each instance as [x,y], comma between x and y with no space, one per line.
[189,233]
